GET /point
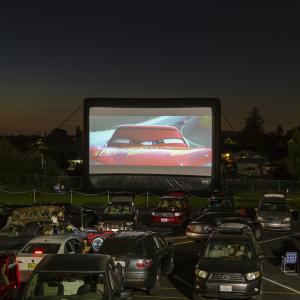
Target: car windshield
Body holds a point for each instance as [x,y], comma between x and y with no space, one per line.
[167,203]
[273,206]
[119,247]
[228,250]
[11,230]
[219,203]
[118,210]
[43,248]
[61,285]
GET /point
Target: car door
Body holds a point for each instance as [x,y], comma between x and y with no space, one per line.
[162,252]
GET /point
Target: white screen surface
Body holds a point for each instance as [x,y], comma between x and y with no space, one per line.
[170,141]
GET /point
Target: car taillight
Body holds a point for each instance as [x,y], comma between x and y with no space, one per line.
[38,252]
[144,263]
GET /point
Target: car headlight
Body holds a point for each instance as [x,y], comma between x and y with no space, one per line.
[253,275]
[177,214]
[286,220]
[260,219]
[201,273]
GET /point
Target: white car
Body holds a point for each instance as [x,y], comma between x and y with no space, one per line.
[37,248]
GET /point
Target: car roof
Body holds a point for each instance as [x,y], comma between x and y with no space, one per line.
[51,239]
[273,199]
[130,235]
[232,234]
[87,263]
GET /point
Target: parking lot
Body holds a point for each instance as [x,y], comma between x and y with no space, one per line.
[276,285]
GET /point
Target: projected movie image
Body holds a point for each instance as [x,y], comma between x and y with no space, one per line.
[150,144]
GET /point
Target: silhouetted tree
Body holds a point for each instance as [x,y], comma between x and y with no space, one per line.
[252,135]
[294,154]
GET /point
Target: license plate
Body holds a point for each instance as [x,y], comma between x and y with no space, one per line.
[31,266]
[121,262]
[225,288]
[164,220]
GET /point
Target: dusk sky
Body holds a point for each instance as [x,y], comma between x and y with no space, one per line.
[54,54]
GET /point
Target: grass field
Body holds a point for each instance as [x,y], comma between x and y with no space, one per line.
[242,199]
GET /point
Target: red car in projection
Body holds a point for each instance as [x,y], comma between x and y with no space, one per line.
[155,145]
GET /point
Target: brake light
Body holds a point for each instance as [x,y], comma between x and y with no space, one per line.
[144,264]
[38,252]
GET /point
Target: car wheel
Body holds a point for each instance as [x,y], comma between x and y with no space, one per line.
[171,267]
[258,233]
[156,288]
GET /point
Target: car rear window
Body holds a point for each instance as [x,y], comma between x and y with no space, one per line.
[274,206]
[121,247]
[45,248]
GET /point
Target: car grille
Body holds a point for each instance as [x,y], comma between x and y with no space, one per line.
[164,215]
[230,277]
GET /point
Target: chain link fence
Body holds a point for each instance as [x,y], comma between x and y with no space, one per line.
[261,185]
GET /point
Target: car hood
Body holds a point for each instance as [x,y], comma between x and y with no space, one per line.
[167,209]
[274,214]
[210,218]
[117,219]
[216,265]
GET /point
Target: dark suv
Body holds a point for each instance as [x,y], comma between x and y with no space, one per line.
[145,256]
[76,276]
[230,266]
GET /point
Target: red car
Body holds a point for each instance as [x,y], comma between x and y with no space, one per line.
[9,276]
[171,210]
[156,145]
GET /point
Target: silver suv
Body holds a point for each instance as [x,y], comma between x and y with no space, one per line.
[274,213]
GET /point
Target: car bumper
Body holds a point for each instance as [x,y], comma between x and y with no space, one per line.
[139,280]
[197,236]
[239,290]
[276,226]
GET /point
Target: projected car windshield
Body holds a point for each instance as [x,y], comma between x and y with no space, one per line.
[152,142]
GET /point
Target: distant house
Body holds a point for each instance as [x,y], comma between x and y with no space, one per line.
[250,163]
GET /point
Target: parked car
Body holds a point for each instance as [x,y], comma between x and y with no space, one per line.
[117,216]
[274,213]
[230,266]
[15,235]
[240,222]
[145,256]
[9,276]
[202,227]
[37,248]
[171,210]
[78,216]
[155,145]
[76,276]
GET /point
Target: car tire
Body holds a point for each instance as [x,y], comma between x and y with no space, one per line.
[156,288]
[171,267]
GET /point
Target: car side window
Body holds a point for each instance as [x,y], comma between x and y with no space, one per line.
[112,280]
[68,247]
[76,245]
[150,245]
[157,244]
[162,243]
